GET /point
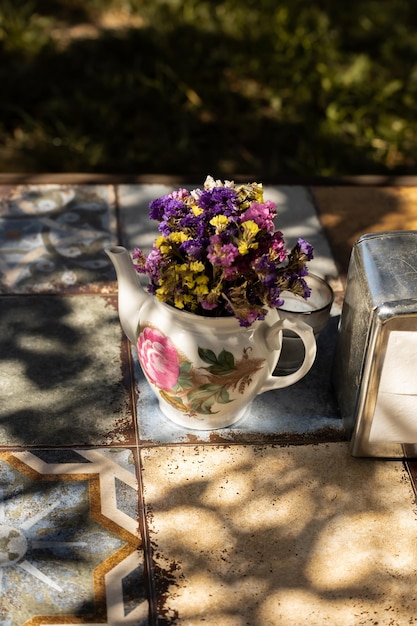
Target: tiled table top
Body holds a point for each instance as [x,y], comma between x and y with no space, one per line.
[111,514]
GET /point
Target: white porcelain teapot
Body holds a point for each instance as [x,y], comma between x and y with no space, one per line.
[205,371]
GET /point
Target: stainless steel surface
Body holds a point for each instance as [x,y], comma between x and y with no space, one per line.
[379,324]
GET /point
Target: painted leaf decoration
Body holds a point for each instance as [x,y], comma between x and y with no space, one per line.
[190,395]
[221,365]
[183,382]
[224,397]
[177,403]
[184,379]
[203,407]
[227,360]
[203,399]
[207,355]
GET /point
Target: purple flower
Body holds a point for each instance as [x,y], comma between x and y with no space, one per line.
[139,261]
[166,211]
[157,208]
[192,249]
[306,289]
[207,305]
[266,270]
[273,295]
[219,200]
[189,221]
[277,249]
[179,194]
[243,270]
[251,317]
[154,262]
[305,248]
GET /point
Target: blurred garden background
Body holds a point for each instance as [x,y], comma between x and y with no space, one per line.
[270,88]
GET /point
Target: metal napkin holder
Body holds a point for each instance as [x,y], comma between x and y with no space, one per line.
[375,364]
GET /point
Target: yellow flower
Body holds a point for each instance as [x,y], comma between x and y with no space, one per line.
[197,266]
[163,244]
[252,192]
[188,281]
[159,241]
[250,228]
[258,192]
[219,222]
[179,301]
[183,300]
[243,248]
[178,237]
[162,293]
[196,210]
[201,288]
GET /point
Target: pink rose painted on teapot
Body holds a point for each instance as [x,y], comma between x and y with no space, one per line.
[158,357]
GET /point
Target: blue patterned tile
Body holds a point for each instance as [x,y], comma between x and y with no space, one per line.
[52,238]
[70,548]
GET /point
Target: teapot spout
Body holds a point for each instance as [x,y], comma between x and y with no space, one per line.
[131,296]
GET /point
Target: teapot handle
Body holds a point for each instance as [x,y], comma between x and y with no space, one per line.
[274,341]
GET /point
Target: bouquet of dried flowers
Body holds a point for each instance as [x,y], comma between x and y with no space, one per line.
[219,254]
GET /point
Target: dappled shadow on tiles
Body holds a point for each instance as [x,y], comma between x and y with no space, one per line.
[64,372]
[304,526]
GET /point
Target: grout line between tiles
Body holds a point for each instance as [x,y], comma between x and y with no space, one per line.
[411,468]
[146,545]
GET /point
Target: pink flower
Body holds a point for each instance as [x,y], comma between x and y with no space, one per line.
[158,358]
[262,213]
[179,194]
[222,255]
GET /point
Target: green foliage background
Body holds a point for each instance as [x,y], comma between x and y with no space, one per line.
[266,87]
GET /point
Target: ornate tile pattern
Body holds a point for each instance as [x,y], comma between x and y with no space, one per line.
[69,538]
[52,238]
